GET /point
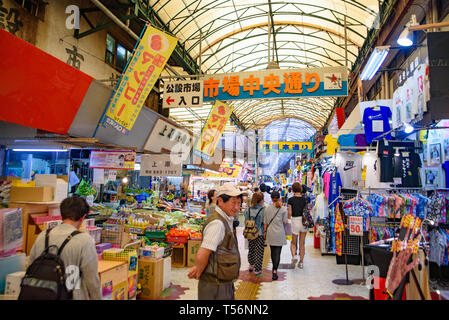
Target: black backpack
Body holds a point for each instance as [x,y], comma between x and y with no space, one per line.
[45,278]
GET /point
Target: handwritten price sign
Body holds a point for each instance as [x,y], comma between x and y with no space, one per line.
[356,226]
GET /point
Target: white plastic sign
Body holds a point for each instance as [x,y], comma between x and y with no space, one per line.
[356,226]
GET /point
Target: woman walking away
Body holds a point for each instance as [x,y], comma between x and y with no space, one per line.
[256,247]
[274,219]
[296,205]
[211,202]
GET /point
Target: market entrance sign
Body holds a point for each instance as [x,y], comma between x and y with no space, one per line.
[149,59]
[285,146]
[276,84]
[183,94]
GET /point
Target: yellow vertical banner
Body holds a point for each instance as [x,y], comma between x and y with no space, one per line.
[142,72]
[212,131]
[276,180]
[284,181]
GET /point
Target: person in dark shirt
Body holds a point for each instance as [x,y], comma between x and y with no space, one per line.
[296,205]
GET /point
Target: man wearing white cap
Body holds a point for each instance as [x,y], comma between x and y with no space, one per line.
[217,263]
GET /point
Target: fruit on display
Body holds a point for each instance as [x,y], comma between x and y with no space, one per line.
[176,232]
[196,235]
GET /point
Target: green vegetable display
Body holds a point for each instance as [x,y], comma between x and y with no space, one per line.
[84,189]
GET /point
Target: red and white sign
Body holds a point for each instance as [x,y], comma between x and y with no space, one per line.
[112,160]
[356,226]
[183,94]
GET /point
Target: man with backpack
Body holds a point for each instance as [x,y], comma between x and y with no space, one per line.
[63,262]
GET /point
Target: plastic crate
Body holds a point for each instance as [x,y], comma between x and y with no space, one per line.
[151,254]
[177,239]
[168,250]
[155,234]
[95,233]
[178,258]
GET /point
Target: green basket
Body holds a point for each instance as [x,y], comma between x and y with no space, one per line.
[155,234]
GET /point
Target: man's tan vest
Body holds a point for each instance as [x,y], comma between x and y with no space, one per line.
[224,264]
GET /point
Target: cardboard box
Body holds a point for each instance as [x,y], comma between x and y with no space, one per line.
[23,183]
[60,186]
[31,194]
[167,273]
[192,249]
[132,286]
[112,276]
[150,278]
[13,280]
[33,231]
[27,211]
[120,291]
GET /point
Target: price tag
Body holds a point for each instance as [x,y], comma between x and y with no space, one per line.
[356,226]
[397,180]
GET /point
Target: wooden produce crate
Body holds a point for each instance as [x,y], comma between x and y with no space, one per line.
[179,256]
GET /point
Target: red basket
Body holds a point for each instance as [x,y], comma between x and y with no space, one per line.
[176,239]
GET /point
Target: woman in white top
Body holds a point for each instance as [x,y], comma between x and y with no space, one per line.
[266,195]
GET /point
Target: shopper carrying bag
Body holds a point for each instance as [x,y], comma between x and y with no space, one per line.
[275,218]
[254,217]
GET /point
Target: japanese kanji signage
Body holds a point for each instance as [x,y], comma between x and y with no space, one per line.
[148,60]
[159,165]
[183,94]
[212,131]
[272,84]
[112,159]
[169,137]
[227,170]
[285,146]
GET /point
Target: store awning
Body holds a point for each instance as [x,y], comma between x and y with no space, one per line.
[45,94]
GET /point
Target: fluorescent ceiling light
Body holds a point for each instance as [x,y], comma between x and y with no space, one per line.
[41,150]
[375,61]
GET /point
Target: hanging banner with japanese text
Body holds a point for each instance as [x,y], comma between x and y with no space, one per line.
[112,159]
[212,131]
[166,137]
[275,84]
[227,170]
[159,165]
[284,181]
[285,146]
[143,70]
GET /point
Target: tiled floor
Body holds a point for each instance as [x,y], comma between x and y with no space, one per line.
[312,282]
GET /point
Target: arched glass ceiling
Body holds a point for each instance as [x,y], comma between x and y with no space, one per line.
[232,36]
[290,129]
